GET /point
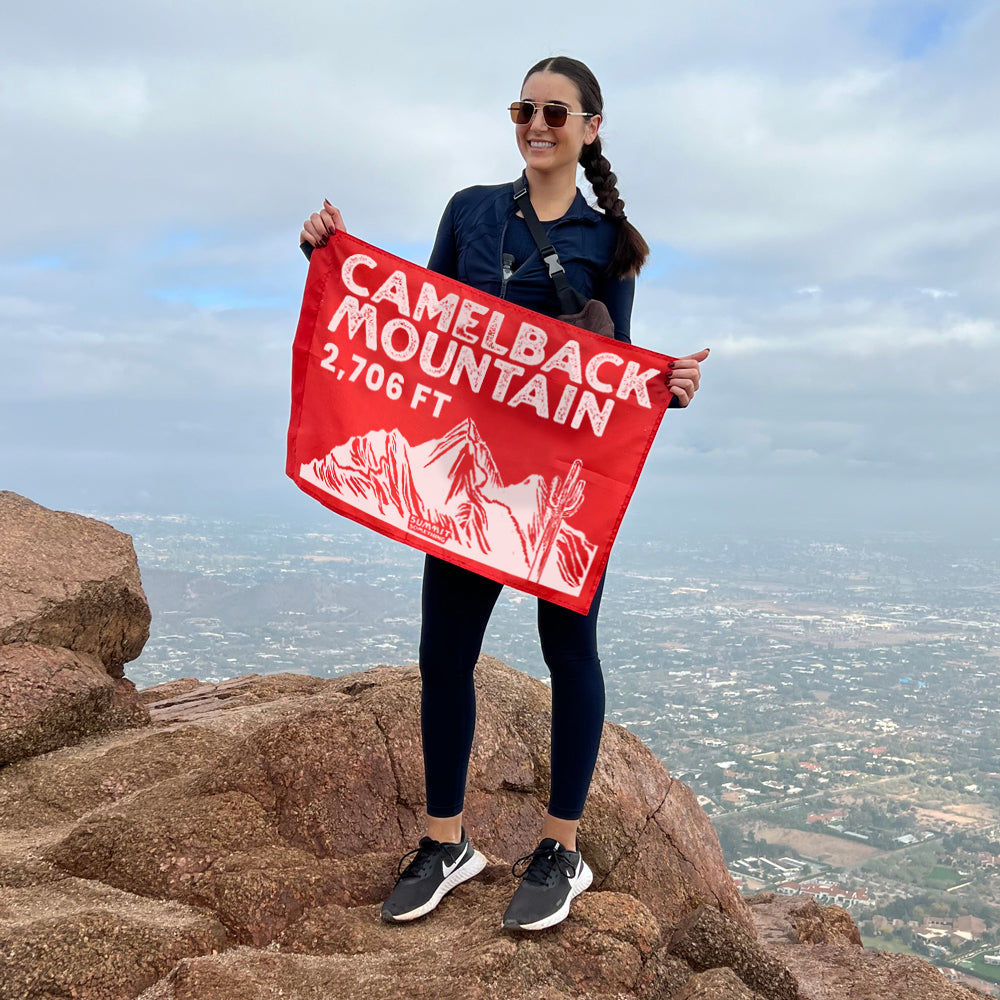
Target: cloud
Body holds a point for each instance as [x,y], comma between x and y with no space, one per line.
[818,186]
[105,99]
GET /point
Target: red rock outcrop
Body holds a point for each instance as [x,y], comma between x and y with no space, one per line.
[821,946]
[72,613]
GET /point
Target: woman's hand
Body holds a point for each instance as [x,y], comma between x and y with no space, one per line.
[321,225]
[684,377]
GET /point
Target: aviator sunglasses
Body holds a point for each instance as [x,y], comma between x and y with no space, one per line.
[521,113]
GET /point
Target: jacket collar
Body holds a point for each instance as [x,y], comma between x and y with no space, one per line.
[579,210]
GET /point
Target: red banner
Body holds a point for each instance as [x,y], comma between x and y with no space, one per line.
[468,427]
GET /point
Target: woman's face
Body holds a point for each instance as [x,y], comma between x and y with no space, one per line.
[548,149]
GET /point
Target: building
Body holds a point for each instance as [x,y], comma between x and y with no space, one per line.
[975,927]
[827,893]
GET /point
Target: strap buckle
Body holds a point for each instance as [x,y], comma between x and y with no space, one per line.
[553,263]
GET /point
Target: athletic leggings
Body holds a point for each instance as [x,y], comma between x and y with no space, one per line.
[456,610]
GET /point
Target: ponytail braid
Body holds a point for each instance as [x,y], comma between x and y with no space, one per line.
[631,250]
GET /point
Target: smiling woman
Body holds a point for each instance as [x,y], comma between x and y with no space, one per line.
[484,241]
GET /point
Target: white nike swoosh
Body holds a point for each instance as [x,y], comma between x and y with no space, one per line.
[448,869]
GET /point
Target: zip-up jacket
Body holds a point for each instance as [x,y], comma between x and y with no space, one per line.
[482,242]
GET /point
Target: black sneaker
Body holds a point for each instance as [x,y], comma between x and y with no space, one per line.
[553,878]
[429,877]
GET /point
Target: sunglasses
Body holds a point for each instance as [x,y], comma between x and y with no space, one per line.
[555,115]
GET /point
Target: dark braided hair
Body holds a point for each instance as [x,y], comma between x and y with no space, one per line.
[631,250]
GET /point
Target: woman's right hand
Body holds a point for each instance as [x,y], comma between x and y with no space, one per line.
[321,225]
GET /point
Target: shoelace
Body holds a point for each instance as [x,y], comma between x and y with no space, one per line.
[423,860]
[543,863]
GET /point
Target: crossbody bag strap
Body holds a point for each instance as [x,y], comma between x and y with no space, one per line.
[569,298]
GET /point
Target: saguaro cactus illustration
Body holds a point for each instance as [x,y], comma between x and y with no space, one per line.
[564,501]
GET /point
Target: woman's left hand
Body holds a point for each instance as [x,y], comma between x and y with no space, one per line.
[685,376]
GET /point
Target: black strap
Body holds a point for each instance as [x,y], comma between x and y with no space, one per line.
[569,298]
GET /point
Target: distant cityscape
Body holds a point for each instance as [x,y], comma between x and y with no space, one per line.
[834,704]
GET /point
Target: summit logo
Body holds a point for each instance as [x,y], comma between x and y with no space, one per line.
[435,532]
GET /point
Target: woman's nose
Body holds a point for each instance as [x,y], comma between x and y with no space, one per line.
[537,123]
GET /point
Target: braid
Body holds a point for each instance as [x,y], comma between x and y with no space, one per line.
[603,180]
[631,249]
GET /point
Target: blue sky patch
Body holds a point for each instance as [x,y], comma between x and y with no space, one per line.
[43,262]
[913,28]
[664,259]
[415,253]
[181,239]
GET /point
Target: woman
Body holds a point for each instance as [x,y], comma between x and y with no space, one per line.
[558,119]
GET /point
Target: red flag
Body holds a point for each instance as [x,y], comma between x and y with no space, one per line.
[466,426]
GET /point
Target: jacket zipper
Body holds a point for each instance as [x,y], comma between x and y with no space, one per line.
[508,270]
[506,263]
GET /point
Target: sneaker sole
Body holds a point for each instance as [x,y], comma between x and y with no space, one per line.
[576,886]
[471,868]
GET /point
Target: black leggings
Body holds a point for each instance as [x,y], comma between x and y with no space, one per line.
[456,610]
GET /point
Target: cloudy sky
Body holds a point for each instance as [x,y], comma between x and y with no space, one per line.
[820,183]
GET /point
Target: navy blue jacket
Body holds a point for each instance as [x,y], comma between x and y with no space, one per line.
[479,224]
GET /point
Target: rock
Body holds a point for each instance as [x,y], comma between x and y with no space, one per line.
[707,938]
[780,919]
[170,689]
[663,976]
[188,700]
[72,613]
[606,945]
[69,581]
[72,938]
[822,947]
[55,697]
[716,984]
[341,781]
[243,974]
[826,972]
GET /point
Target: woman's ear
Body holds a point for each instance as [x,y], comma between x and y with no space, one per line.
[590,132]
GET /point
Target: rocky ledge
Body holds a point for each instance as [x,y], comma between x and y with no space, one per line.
[236,840]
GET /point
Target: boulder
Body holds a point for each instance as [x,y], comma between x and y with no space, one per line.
[801,920]
[69,581]
[341,781]
[72,613]
[706,939]
[715,984]
[55,697]
[822,948]
[73,938]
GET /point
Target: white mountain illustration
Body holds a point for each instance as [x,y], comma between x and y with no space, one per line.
[450,490]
